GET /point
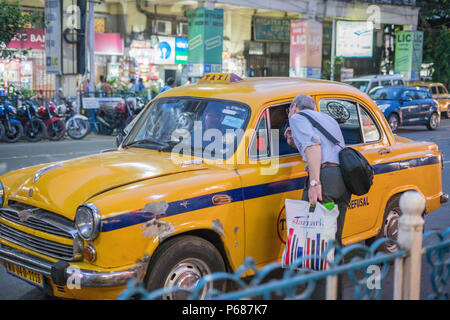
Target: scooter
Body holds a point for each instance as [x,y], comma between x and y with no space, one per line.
[12,127]
[77,125]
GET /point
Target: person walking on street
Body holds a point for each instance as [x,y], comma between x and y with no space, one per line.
[325,182]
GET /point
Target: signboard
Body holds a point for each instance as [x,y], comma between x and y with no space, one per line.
[165,51]
[408,54]
[53,36]
[354,39]
[181,50]
[306,49]
[108,44]
[32,39]
[272,29]
[205,34]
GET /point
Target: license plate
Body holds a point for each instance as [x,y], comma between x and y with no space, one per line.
[30,276]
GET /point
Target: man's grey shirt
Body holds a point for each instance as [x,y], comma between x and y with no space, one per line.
[305,135]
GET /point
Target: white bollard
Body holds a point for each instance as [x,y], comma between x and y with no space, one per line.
[410,225]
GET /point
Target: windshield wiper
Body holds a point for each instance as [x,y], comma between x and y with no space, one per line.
[146,141]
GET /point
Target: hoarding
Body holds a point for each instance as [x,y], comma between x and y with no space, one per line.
[271,29]
[354,39]
[53,36]
[306,49]
[408,54]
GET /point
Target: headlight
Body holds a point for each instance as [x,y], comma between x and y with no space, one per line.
[2,194]
[87,221]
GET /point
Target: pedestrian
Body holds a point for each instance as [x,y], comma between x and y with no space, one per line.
[131,84]
[324,183]
[104,86]
[169,85]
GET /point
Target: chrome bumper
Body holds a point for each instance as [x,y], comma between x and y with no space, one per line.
[59,271]
[444,198]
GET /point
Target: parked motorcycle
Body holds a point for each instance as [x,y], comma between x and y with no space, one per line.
[13,127]
[56,128]
[117,118]
[77,125]
[34,129]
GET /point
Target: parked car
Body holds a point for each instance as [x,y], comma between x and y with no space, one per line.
[166,212]
[439,93]
[367,83]
[407,106]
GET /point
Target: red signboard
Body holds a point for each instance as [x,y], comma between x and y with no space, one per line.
[32,39]
[108,44]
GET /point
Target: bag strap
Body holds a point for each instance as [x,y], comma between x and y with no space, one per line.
[319,127]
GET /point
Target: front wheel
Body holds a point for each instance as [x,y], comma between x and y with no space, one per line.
[182,262]
[34,130]
[433,122]
[14,132]
[393,121]
[77,128]
[56,130]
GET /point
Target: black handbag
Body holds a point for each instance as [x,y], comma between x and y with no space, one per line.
[356,170]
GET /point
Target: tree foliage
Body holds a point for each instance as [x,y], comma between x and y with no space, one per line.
[13,24]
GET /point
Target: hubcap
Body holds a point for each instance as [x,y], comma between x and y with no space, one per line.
[393,123]
[391,229]
[186,275]
[433,121]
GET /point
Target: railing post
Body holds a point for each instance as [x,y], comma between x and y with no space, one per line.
[410,225]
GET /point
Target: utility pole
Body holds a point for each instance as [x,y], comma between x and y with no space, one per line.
[91,46]
[333,47]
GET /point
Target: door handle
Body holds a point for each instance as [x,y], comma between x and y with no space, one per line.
[384,150]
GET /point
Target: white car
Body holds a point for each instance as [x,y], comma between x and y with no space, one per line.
[367,83]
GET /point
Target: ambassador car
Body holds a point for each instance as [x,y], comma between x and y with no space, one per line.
[198,184]
[407,106]
[438,92]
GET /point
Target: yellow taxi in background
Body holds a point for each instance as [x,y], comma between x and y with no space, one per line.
[198,184]
[438,92]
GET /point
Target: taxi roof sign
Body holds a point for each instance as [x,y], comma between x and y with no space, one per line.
[221,78]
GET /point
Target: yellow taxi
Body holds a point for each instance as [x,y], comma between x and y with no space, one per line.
[438,92]
[198,184]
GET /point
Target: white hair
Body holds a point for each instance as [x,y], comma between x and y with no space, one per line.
[304,101]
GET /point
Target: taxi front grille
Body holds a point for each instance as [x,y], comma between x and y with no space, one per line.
[44,246]
[40,220]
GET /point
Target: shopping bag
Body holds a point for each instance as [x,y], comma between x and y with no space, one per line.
[309,233]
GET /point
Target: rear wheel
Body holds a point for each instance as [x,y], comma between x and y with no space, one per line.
[56,130]
[77,128]
[182,262]
[393,121]
[433,122]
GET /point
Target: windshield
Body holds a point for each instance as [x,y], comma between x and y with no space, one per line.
[193,126]
[385,93]
[361,85]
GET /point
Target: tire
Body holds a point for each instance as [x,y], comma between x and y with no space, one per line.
[80,132]
[103,129]
[56,130]
[394,122]
[2,131]
[39,132]
[15,134]
[433,122]
[182,261]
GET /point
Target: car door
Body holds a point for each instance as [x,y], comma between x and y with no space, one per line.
[362,131]
[275,171]
[409,107]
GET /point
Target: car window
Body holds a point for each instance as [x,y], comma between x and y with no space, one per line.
[409,94]
[371,131]
[398,82]
[422,94]
[259,146]
[433,90]
[374,84]
[346,114]
[279,122]
[441,90]
[386,83]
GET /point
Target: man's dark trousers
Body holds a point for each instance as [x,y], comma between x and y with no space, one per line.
[333,190]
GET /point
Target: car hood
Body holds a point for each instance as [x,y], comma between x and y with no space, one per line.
[62,186]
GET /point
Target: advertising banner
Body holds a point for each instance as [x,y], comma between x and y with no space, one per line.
[205,34]
[181,50]
[35,39]
[53,36]
[408,54]
[108,44]
[354,39]
[306,49]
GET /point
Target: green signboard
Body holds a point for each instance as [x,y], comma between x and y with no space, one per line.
[408,54]
[272,29]
[205,33]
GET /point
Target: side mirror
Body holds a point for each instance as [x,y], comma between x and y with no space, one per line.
[119,139]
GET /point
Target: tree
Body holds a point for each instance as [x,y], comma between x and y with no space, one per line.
[13,24]
[441,63]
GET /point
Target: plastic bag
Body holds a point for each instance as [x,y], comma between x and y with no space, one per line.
[308,234]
